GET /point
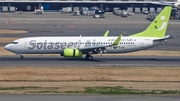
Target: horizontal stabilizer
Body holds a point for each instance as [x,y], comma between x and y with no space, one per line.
[165,38]
[162,3]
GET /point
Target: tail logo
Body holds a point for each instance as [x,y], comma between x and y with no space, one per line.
[163,24]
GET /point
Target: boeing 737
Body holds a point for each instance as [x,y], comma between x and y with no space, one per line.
[77,46]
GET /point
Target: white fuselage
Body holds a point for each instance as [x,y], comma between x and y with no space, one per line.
[56,45]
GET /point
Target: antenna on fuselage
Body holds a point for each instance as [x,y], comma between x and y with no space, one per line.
[80,36]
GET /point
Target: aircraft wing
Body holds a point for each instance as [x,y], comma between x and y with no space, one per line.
[165,38]
[98,49]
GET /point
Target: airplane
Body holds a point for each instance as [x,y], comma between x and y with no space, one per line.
[175,4]
[77,46]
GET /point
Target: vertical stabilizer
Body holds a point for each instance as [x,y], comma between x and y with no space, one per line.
[158,27]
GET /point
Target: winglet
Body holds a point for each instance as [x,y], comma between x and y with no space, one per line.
[106,34]
[117,40]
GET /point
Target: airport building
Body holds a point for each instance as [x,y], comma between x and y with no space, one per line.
[56,5]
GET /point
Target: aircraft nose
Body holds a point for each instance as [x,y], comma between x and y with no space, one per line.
[8,47]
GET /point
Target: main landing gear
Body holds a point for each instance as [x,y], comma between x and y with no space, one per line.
[21,57]
[89,57]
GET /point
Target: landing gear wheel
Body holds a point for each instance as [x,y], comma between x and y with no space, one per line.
[21,57]
[89,57]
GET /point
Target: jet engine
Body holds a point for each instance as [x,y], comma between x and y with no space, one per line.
[72,53]
[177,4]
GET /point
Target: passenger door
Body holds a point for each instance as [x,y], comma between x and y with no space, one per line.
[25,43]
[141,43]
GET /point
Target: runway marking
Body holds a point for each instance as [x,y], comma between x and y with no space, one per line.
[44,31]
[136,65]
[71,26]
[65,26]
[8,18]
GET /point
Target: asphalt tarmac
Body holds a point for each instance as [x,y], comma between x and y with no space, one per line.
[89,98]
[99,61]
[56,24]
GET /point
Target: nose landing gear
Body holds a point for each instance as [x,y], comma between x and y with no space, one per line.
[21,56]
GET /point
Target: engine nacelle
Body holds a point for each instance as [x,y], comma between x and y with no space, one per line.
[177,4]
[72,53]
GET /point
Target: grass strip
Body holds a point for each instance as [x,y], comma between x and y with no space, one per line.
[19,88]
[121,90]
[109,74]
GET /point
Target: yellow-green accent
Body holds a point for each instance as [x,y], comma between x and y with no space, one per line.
[155,29]
[106,34]
[117,40]
[72,53]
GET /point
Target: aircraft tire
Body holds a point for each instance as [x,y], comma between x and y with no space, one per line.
[89,57]
[21,57]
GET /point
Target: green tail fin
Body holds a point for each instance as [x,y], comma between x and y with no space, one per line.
[158,27]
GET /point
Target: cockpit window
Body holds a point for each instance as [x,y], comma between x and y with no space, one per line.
[14,42]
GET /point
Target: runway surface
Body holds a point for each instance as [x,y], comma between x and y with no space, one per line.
[89,98]
[56,24]
[100,61]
